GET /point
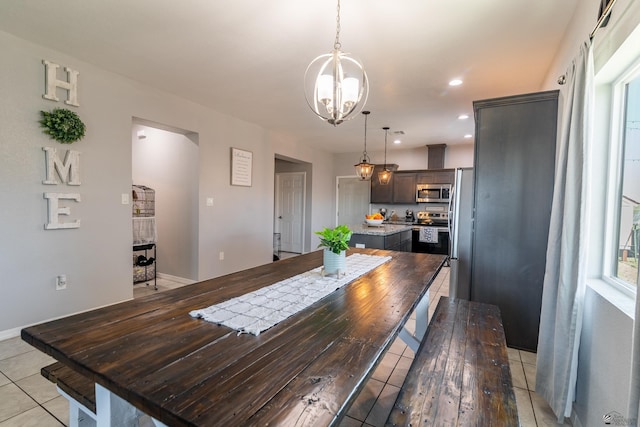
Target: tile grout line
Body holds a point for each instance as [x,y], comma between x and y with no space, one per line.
[30,397]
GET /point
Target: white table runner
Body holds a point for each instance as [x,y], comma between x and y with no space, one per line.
[260,310]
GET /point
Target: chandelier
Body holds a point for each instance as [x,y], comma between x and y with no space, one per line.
[384,176]
[335,84]
[364,169]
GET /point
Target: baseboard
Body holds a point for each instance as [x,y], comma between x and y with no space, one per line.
[15,332]
[175,279]
[9,333]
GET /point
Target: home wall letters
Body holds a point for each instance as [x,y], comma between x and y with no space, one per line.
[67,170]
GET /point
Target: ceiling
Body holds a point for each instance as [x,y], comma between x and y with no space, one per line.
[247,58]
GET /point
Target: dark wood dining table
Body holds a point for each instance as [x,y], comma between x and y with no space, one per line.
[184,371]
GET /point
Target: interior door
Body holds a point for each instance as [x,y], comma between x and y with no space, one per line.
[290,200]
[353,200]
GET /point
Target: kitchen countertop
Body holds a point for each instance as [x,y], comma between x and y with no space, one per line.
[399,222]
[382,230]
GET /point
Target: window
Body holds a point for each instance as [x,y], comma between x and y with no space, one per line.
[628,185]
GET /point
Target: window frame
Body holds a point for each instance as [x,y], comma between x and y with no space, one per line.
[617,126]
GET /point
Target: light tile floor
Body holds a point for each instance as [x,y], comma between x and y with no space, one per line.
[27,399]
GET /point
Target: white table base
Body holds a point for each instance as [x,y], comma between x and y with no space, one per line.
[422,321]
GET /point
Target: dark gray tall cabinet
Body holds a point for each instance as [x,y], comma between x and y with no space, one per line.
[513,187]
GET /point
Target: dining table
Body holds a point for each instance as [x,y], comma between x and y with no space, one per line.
[181,370]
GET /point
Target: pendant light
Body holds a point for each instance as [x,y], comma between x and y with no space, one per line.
[364,169]
[384,176]
[335,84]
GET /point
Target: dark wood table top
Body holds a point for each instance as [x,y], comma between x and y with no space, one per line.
[183,371]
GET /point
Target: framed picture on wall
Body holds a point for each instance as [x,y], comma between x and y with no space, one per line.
[241,166]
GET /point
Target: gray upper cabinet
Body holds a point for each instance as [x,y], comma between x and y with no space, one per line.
[442,176]
[404,187]
[381,193]
[514,170]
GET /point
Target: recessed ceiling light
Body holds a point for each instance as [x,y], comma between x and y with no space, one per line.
[463,116]
[455,82]
[397,141]
[468,136]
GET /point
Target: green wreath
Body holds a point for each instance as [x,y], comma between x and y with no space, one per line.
[62,125]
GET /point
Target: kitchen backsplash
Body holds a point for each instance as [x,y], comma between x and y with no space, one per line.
[401,210]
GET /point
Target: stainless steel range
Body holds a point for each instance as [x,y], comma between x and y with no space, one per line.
[431,232]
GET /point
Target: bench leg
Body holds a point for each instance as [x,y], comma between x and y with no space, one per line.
[422,320]
[79,415]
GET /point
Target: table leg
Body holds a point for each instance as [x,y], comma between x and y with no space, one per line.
[422,320]
[112,410]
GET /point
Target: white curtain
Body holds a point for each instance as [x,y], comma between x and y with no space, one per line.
[564,279]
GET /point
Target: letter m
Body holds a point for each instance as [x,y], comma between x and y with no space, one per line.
[69,168]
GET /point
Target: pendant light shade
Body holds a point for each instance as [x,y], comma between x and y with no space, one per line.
[384,176]
[335,84]
[364,169]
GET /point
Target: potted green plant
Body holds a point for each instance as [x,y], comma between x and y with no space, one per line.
[336,242]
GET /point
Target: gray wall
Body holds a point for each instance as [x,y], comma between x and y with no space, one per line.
[97,256]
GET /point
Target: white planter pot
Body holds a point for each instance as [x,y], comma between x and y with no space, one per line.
[334,263]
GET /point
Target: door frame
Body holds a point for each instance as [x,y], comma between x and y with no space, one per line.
[338,178]
[276,225]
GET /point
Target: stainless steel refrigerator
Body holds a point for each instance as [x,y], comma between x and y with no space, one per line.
[461,229]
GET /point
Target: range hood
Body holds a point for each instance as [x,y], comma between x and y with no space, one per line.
[435,156]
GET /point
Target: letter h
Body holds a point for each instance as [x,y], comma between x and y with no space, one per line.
[52,83]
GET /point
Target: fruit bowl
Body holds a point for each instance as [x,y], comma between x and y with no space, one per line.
[374,221]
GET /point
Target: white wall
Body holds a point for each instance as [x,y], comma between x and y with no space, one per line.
[97,256]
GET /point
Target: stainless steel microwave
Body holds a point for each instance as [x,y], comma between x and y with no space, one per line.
[433,193]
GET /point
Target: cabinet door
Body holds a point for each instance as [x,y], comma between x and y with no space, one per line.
[404,187]
[445,176]
[442,176]
[381,193]
[425,178]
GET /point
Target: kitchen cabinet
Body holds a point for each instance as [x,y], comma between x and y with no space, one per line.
[404,187]
[400,241]
[513,189]
[438,176]
[382,193]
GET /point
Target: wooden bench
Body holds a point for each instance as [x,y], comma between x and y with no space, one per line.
[76,388]
[460,375]
[80,391]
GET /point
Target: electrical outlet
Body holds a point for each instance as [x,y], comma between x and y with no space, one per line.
[209,201]
[125,198]
[221,256]
[61,282]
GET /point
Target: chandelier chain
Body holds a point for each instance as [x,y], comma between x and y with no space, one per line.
[386,130]
[365,135]
[337,44]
